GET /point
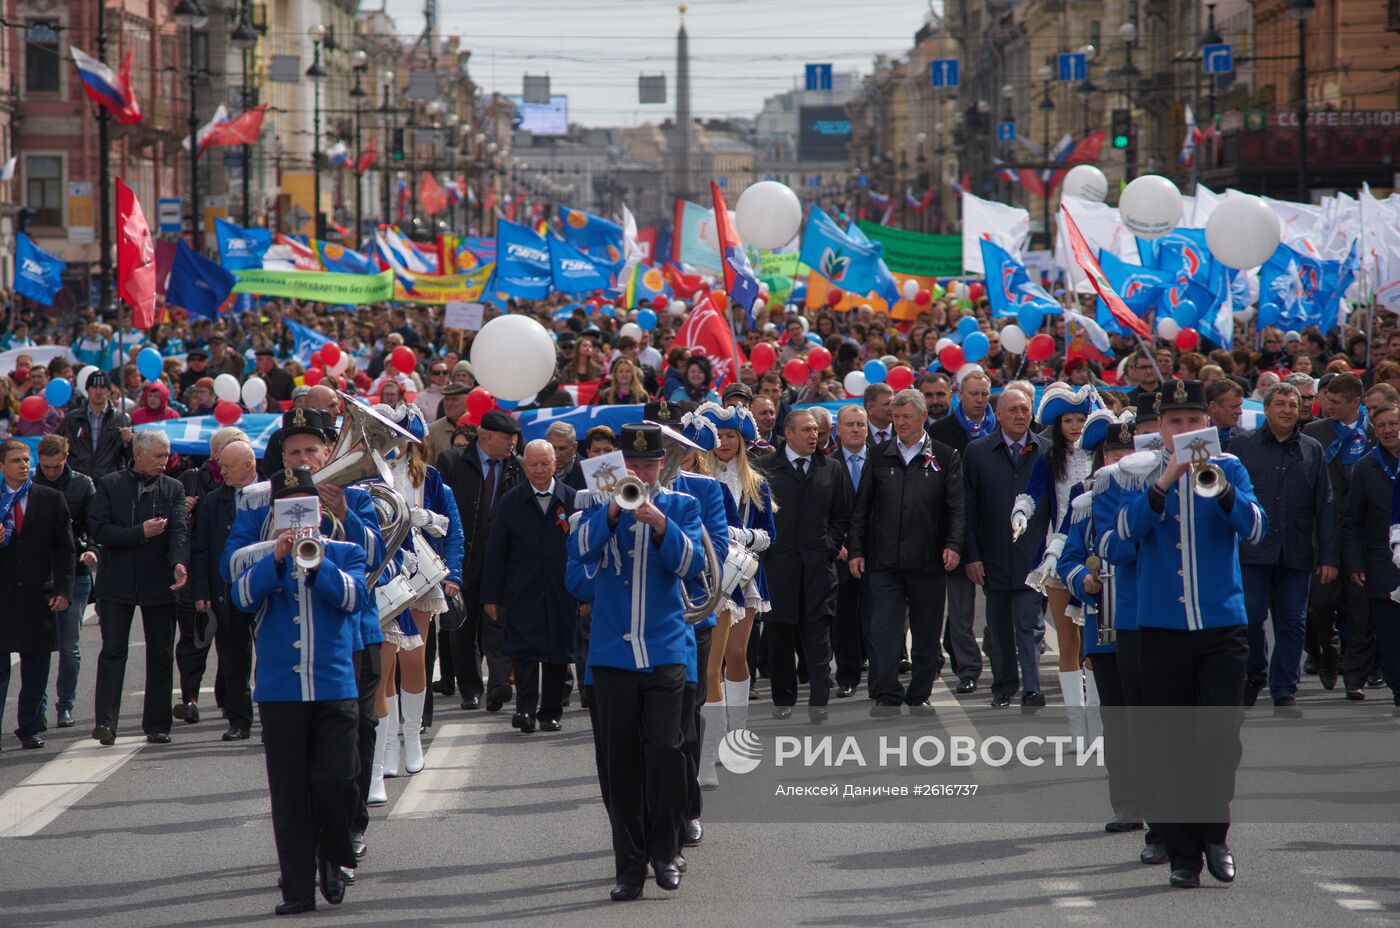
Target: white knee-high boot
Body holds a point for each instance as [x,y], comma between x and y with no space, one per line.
[713,714]
[1094,719]
[412,704]
[736,700]
[1072,687]
[390,725]
[377,794]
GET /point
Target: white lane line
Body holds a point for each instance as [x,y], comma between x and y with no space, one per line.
[1350,897]
[1360,905]
[51,790]
[1067,901]
[448,767]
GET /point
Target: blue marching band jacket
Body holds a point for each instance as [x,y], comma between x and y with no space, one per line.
[717,513]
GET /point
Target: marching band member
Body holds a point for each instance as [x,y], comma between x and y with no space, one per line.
[306,630]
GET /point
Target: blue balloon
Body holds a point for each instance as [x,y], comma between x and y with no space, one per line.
[607,310]
[967,325]
[1029,318]
[148,362]
[58,392]
[646,319]
[1268,314]
[975,347]
[1186,313]
[933,366]
[814,338]
[507,404]
[875,371]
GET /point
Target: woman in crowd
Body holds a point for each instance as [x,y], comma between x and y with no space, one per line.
[696,383]
[625,386]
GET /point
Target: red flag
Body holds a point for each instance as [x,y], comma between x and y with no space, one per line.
[431,196]
[130,114]
[368,158]
[704,332]
[136,259]
[242,129]
[1086,260]
[1086,152]
[165,259]
[685,285]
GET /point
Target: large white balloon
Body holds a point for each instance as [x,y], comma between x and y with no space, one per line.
[768,215]
[1013,339]
[254,392]
[1150,206]
[1086,182]
[1168,328]
[1243,232]
[80,382]
[226,388]
[855,383]
[513,357]
[630,328]
[911,289]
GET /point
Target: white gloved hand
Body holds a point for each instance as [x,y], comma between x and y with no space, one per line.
[410,563]
[420,516]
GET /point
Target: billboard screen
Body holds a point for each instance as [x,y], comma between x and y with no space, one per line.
[550,118]
[824,133]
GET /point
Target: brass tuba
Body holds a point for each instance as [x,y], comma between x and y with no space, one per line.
[678,448]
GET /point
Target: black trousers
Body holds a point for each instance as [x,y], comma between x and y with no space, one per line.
[158,624]
[233,643]
[1344,601]
[533,697]
[1128,648]
[643,767]
[1195,668]
[1385,617]
[368,669]
[477,638]
[192,650]
[310,753]
[921,593]
[693,734]
[812,634]
[430,641]
[442,647]
[1116,732]
[850,629]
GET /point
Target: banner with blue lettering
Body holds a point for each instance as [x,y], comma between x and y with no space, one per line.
[38,274]
[523,267]
[241,249]
[574,271]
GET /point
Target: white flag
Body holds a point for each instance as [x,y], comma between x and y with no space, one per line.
[1005,226]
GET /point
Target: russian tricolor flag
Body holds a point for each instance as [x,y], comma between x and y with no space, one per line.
[110,91]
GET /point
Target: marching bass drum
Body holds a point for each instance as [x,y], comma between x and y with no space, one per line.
[740,566]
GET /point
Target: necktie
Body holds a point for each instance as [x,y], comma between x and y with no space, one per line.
[855,462]
[801,464]
[488,491]
[881,436]
[19,517]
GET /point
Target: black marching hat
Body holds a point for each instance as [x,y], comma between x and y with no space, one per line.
[1183,394]
[293,482]
[667,413]
[1149,406]
[301,421]
[641,441]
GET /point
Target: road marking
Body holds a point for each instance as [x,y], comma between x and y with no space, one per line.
[1351,898]
[54,788]
[448,767]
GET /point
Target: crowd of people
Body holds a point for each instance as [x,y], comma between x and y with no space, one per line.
[871,523]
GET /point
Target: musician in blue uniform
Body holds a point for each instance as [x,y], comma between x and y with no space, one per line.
[1192,623]
[306,630]
[638,561]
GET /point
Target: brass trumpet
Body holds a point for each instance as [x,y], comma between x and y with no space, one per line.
[307,550]
[1208,480]
[630,493]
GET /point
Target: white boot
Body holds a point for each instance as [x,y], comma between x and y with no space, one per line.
[1091,705]
[412,704]
[377,794]
[714,715]
[736,699]
[390,726]
[1072,687]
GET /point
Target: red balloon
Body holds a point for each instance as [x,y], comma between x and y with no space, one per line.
[834,296]
[951,358]
[796,371]
[1187,339]
[317,359]
[33,408]
[763,358]
[819,359]
[1040,347]
[330,353]
[227,413]
[468,419]
[405,359]
[975,291]
[659,301]
[312,376]
[923,298]
[410,397]
[901,377]
[480,402]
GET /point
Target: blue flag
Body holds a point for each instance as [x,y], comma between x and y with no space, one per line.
[38,274]
[1140,287]
[885,286]
[304,341]
[595,236]
[241,249]
[837,256]
[341,260]
[197,285]
[523,267]
[574,271]
[1009,285]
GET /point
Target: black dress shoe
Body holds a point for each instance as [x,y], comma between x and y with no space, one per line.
[358,845]
[158,737]
[471,702]
[1220,862]
[1328,680]
[234,733]
[179,710]
[680,862]
[1310,665]
[882,711]
[498,696]
[966,685]
[1252,686]
[1122,822]
[191,713]
[444,688]
[526,723]
[1153,854]
[30,742]
[295,908]
[693,833]
[1185,879]
[1286,707]
[782,712]
[104,735]
[332,885]
[625,892]
[1375,681]
[1356,693]
[65,718]
[924,708]
[1032,700]
[347,876]
[906,666]
[549,725]
[668,876]
[844,692]
[817,714]
[1001,702]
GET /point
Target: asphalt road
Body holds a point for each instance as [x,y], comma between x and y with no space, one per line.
[508,829]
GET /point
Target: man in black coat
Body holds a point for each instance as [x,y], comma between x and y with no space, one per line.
[479,474]
[907,530]
[139,519]
[997,469]
[36,572]
[522,588]
[850,632]
[279,382]
[813,515]
[98,433]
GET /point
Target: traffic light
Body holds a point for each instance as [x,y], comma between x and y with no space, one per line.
[1121,128]
[25,217]
[396,146]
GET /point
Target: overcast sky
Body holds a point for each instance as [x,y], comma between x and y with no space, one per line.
[741,51]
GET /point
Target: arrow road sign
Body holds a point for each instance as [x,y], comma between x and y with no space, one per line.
[1074,66]
[1217,59]
[1006,131]
[943,72]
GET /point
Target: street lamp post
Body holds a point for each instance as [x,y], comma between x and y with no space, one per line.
[244,37]
[317,34]
[386,107]
[191,15]
[1046,107]
[1301,10]
[104,183]
[1129,72]
[359,60]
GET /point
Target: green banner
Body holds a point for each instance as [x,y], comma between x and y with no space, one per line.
[318,286]
[915,253]
[780,265]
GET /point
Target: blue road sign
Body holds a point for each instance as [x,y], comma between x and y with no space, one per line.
[818,77]
[1006,131]
[1217,59]
[943,72]
[1074,66]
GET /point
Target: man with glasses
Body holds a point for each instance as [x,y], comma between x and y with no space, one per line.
[430,397]
[1142,373]
[1306,385]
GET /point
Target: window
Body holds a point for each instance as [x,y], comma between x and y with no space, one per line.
[41,62]
[43,178]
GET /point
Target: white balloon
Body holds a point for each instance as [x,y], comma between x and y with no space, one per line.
[911,289]
[966,369]
[1013,339]
[226,388]
[768,215]
[254,392]
[1243,232]
[1150,206]
[677,306]
[513,357]
[1167,328]
[630,328]
[806,326]
[340,365]
[855,383]
[942,343]
[80,382]
[1086,182]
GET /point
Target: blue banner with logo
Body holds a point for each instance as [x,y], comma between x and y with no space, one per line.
[574,271]
[241,249]
[38,274]
[523,266]
[197,285]
[838,257]
[341,260]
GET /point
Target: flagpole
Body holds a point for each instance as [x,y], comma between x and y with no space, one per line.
[104,180]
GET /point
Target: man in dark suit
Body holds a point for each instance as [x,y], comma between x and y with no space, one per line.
[813,514]
[877,399]
[567,470]
[279,382]
[997,469]
[850,632]
[522,588]
[37,560]
[907,530]
[479,474]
